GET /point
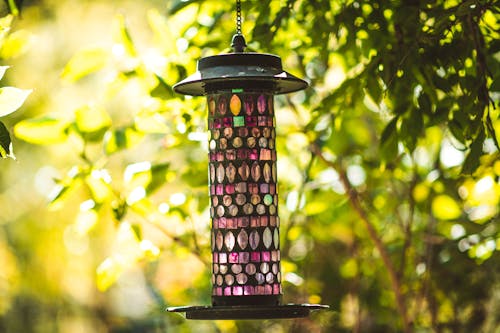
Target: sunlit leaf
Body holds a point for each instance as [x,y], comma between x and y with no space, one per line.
[150,122]
[92,122]
[3,69]
[43,131]
[445,208]
[11,99]
[108,272]
[84,63]
[122,36]
[15,44]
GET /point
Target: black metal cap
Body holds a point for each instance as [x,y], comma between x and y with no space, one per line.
[246,70]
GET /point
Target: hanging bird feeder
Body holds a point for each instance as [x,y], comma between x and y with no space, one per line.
[246,272]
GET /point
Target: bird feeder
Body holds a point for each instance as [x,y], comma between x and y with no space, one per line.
[243,183]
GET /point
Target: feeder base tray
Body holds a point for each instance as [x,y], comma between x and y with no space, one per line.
[248,311]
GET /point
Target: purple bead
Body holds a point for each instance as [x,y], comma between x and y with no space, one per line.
[242,154]
[243,257]
[243,222]
[251,121]
[249,105]
[261,104]
[248,290]
[227,122]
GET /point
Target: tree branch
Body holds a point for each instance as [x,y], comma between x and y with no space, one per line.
[355,201]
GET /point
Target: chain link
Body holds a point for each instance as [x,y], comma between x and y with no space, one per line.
[238,17]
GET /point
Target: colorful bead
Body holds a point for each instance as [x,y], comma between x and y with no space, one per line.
[235,105]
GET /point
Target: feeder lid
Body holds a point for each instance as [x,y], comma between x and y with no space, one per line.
[255,69]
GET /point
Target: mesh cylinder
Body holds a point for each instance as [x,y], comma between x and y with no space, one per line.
[243,199]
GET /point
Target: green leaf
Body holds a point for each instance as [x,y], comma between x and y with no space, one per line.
[92,122]
[411,128]
[472,160]
[179,4]
[163,90]
[424,102]
[495,85]
[137,229]
[158,176]
[84,63]
[373,88]
[389,141]
[121,138]
[11,99]
[5,142]
[42,131]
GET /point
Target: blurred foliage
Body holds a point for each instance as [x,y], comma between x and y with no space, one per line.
[11,98]
[389,164]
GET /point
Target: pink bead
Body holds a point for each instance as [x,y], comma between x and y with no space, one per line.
[237,291]
[227,291]
[268,289]
[219,189]
[255,256]
[276,289]
[266,256]
[233,258]
[253,155]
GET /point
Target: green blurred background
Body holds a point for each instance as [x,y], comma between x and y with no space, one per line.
[389,164]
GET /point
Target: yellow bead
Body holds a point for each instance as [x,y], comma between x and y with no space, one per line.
[235,105]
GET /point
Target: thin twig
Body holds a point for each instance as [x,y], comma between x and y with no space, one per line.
[355,201]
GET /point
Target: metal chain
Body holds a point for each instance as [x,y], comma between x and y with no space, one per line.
[238,17]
